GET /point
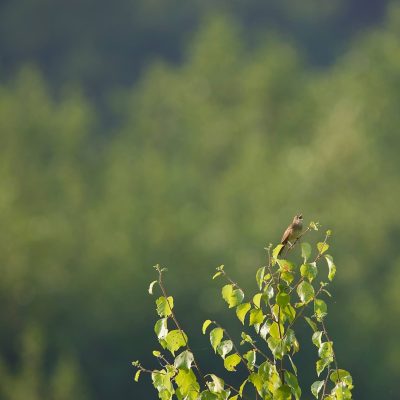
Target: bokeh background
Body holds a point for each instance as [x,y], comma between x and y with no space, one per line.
[188,133]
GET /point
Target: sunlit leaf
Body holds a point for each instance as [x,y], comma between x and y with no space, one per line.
[188,386]
[320,309]
[160,328]
[175,340]
[232,296]
[137,375]
[309,271]
[311,323]
[217,274]
[165,306]
[283,393]
[305,251]
[217,384]
[231,362]
[242,310]
[206,324]
[276,250]
[321,365]
[151,286]
[316,338]
[260,277]
[256,316]
[322,247]
[224,348]
[326,350]
[305,292]
[293,383]
[331,267]
[341,375]
[250,356]
[282,299]
[316,387]
[184,360]
[215,337]
[257,299]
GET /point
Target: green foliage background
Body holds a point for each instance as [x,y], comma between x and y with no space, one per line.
[192,164]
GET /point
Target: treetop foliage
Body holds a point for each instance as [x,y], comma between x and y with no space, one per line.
[265,357]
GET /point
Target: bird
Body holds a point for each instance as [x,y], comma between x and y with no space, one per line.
[292,232]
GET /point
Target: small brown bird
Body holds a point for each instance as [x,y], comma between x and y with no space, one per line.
[293,231]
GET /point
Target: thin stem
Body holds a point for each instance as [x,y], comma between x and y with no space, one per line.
[326,382]
[333,351]
[160,282]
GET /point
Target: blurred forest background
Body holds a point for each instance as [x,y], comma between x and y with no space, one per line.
[188,133]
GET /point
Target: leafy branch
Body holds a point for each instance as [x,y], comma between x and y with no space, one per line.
[285,292]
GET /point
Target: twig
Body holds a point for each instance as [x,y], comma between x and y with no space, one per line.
[160,282]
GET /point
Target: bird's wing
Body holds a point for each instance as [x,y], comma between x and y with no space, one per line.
[286,235]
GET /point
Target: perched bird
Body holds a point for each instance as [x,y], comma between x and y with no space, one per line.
[293,231]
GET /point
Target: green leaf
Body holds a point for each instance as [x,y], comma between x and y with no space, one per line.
[260,277]
[162,382]
[250,356]
[311,323]
[207,395]
[137,375]
[314,225]
[305,292]
[206,323]
[242,310]
[343,376]
[320,309]
[257,381]
[232,296]
[156,353]
[224,348]
[283,393]
[276,346]
[285,265]
[331,267]
[287,277]
[187,384]
[322,247]
[215,337]
[289,312]
[257,299]
[276,250]
[264,330]
[151,286]
[321,365]
[326,350]
[164,306]
[316,338]
[316,387]
[160,328]
[217,384]
[293,365]
[256,316]
[293,383]
[217,274]
[274,330]
[305,251]
[309,271]
[231,362]
[175,340]
[269,290]
[184,360]
[241,388]
[282,299]
[246,338]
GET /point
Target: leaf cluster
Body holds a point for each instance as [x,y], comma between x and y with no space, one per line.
[285,293]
